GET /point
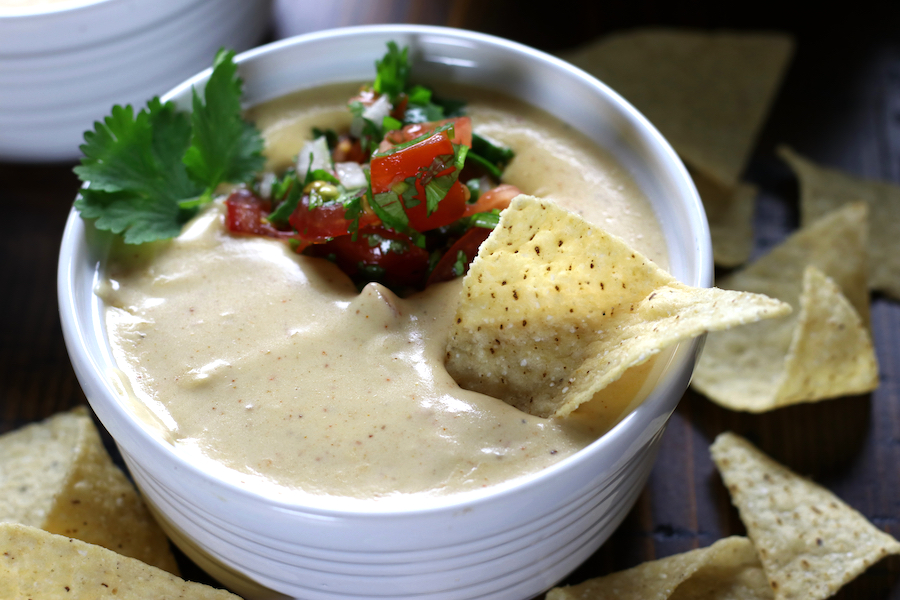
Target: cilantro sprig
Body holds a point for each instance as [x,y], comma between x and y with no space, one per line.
[392,72]
[148,173]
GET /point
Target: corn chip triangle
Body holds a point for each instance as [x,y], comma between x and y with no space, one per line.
[556,309]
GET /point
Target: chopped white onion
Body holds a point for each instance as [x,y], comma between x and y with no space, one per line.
[375,112]
[351,175]
[265,184]
[321,157]
[378,110]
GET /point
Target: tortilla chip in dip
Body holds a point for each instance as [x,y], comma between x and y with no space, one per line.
[810,542]
[57,476]
[824,350]
[38,564]
[555,309]
[727,570]
[824,190]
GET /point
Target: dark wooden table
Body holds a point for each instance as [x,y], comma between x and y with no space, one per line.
[839,105]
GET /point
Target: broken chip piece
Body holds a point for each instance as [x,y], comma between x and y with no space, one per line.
[38,564]
[726,570]
[824,350]
[555,309]
[824,190]
[57,476]
[810,542]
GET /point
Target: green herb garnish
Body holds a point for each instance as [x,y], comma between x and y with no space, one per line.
[392,72]
[147,174]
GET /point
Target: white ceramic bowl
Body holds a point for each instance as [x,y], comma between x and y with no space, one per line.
[510,542]
[63,64]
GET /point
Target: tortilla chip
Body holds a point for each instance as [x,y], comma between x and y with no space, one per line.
[824,190]
[708,93]
[831,348]
[810,542]
[776,363]
[38,564]
[57,476]
[730,215]
[556,309]
[727,570]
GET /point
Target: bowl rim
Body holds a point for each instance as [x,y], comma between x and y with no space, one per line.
[659,404]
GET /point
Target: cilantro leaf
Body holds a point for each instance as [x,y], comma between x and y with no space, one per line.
[392,72]
[353,210]
[288,191]
[133,165]
[148,172]
[224,147]
[140,219]
[460,264]
[390,209]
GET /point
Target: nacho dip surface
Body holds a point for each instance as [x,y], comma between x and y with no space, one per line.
[269,366]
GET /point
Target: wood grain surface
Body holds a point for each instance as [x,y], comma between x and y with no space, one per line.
[839,105]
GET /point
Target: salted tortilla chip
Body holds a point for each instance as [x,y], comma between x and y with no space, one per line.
[824,190]
[730,215]
[810,542]
[727,570]
[556,309]
[776,363]
[38,564]
[831,348]
[57,476]
[707,92]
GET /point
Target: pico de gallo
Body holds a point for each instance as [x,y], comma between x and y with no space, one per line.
[404,198]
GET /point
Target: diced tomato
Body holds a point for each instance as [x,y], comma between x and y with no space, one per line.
[468,244]
[462,131]
[498,198]
[387,170]
[450,209]
[325,221]
[401,263]
[392,168]
[247,212]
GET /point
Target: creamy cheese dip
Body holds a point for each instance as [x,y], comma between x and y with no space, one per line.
[269,368]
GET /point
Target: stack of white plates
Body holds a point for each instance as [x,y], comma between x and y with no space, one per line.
[64,63]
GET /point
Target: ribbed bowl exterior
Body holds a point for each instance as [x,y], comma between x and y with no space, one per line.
[510,542]
[510,559]
[504,559]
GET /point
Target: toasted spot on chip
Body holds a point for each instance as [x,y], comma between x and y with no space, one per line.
[809,541]
[824,349]
[603,319]
[824,190]
[38,564]
[727,570]
[57,476]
